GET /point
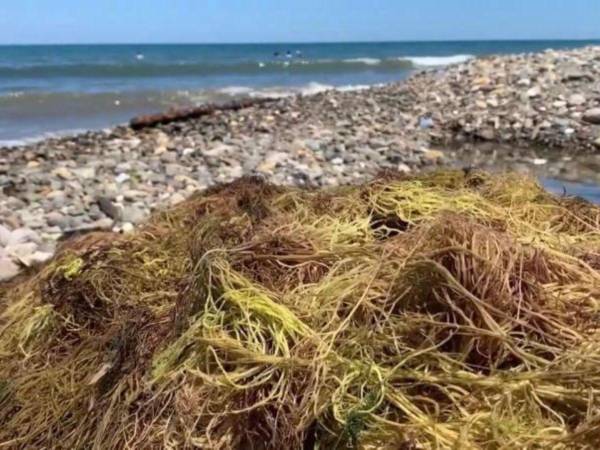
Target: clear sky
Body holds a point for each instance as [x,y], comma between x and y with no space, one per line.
[138,21]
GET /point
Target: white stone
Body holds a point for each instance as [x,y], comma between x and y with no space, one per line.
[534,92]
[8,269]
[21,251]
[36,258]
[22,235]
[5,236]
[122,178]
[127,228]
[576,100]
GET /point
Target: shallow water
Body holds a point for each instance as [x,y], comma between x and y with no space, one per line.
[56,88]
[590,192]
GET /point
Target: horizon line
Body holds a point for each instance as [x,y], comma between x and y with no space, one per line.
[409,41]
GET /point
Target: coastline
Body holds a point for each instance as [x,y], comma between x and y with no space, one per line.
[527,105]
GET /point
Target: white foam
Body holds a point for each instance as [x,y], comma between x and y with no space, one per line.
[315,88]
[354,87]
[367,61]
[236,90]
[42,137]
[274,91]
[432,61]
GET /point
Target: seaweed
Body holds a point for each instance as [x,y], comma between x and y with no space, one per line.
[453,309]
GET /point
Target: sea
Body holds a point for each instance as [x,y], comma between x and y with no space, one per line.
[63,89]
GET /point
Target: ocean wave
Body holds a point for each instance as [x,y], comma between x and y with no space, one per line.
[145,68]
[365,61]
[49,103]
[434,61]
[8,143]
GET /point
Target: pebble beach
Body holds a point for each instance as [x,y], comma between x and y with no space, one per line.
[538,110]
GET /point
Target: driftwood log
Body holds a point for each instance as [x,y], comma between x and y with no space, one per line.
[173,115]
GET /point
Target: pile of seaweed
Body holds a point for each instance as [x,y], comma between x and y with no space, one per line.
[443,311]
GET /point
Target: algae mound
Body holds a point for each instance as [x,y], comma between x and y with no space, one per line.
[444,311]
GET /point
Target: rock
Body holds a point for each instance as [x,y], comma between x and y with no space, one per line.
[575,74]
[5,236]
[576,100]
[539,161]
[133,214]
[403,168]
[425,123]
[19,252]
[24,235]
[433,155]
[592,116]
[103,224]
[85,172]
[56,219]
[176,198]
[122,178]
[62,172]
[110,208]
[8,269]
[168,157]
[487,134]
[173,169]
[36,258]
[127,228]
[597,143]
[534,92]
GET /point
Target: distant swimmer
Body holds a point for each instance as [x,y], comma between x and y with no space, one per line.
[288,54]
[276,54]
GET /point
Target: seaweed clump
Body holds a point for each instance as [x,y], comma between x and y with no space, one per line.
[442,311]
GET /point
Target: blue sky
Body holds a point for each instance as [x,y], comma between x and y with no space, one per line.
[91,21]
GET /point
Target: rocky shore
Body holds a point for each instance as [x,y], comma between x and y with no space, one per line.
[531,104]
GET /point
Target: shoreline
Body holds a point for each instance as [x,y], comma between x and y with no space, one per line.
[114,178]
